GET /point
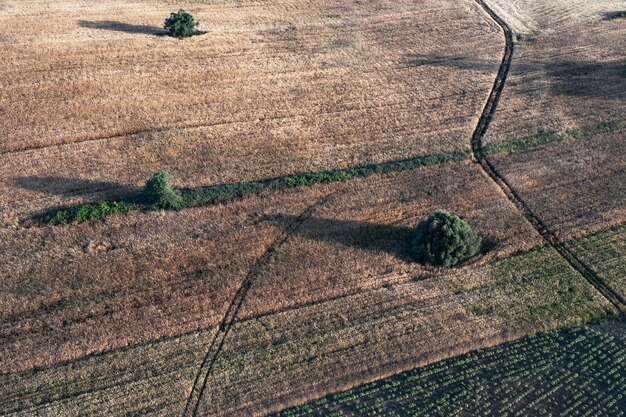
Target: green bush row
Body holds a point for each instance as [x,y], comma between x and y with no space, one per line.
[169,198]
[159,194]
[617,15]
[86,212]
[533,141]
[205,195]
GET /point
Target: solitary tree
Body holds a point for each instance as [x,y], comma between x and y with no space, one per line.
[160,193]
[181,24]
[444,239]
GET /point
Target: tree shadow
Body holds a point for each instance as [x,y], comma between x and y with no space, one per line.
[588,79]
[116,26]
[71,186]
[391,239]
[459,62]
[620,14]
[565,77]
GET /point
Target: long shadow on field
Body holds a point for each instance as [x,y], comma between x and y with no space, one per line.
[620,14]
[391,239]
[563,77]
[64,186]
[459,62]
[116,26]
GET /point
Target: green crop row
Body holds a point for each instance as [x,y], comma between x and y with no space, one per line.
[221,193]
[569,372]
[84,212]
[534,141]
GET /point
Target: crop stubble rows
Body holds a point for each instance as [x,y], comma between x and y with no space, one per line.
[317,238]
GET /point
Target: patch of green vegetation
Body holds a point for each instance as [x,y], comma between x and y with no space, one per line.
[605,253]
[160,194]
[219,193]
[191,197]
[542,288]
[85,212]
[570,372]
[534,141]
[182,25]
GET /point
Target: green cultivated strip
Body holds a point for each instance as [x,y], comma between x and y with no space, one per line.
[220,193]
[558,373]
[534,141]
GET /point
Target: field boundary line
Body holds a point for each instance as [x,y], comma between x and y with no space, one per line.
[480,155]
[200,383]
[359,171]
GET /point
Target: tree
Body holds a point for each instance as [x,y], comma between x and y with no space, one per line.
[160,193]
[181,24]
[444,239]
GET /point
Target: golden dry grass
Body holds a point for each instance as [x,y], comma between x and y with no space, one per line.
[273,88]
[277,88]
[576,187]
[567,70]
[70,291]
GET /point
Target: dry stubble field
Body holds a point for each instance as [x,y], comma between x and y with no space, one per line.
[568,72]
[274,88]
[115,317]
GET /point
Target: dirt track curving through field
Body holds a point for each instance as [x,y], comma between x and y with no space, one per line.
[199,385]
[477,151]
[195,398]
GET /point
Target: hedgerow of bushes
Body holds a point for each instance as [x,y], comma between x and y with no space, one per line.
[86,212]
[160,195]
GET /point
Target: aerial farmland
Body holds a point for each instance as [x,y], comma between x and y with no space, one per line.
[296,208]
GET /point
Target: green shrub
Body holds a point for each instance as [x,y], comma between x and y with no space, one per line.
[181,24]
[160,194]
[444,239]
[86,212]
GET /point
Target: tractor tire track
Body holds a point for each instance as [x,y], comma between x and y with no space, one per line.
[479,155]
[200,383]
